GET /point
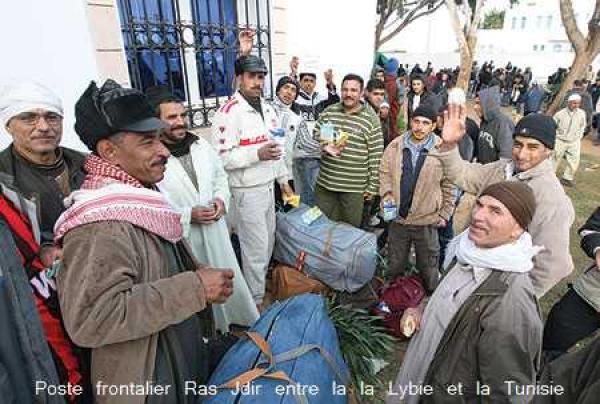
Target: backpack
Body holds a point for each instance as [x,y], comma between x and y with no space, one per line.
[401,294]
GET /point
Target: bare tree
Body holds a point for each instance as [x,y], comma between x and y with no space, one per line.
[586,47]
[395,15]
[465,17]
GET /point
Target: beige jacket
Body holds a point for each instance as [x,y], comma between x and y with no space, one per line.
[115,299]
[570,125]
[433,197]
[553,217]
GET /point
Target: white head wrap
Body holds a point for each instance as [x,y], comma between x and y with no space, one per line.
[574,97]
[26,96]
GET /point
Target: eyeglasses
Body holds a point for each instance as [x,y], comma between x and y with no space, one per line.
[32,119]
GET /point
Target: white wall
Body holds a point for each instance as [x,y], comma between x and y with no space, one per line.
[336,34]
[48,41]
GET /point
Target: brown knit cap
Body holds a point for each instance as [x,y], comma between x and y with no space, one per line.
[517,197]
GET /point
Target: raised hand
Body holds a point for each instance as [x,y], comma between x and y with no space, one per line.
[246,40]
[294,63]
[328,76]
[454,123]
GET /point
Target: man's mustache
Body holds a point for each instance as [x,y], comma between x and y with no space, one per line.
[160,162]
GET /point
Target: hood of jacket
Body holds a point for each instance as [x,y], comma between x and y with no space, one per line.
[489,98]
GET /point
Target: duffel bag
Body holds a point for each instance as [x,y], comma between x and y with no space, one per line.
[341,256]
[291,355]
[292,281]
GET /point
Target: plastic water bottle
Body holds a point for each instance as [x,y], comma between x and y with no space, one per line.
[390,210]
[278,135]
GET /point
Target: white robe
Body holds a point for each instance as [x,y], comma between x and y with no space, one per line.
[210,242]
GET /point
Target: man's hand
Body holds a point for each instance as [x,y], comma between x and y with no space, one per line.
[333,150]
[48,253]
[246,40]
[454,124]
[204,215]
[294,63]
[411,320]
[218,284]
[328,77]
[441,223]
[286,190]
[219,208]
[270,151]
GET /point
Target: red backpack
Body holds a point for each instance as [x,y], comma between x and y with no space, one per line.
[402,293]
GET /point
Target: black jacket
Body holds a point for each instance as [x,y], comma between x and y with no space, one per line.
[49,209]
[579,375]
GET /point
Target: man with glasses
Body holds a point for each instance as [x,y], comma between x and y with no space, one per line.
[35,164]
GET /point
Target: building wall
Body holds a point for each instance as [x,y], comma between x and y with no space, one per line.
[105,30]
[48,42]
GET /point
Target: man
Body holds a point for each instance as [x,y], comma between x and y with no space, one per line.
[34,345]
[571,123]
[286,93]
[129,288]
[36,165]
[196,184]
[310,103]
[384,121]
[533,143]
[349,174]
[534,98]
[495,136]
[481,326]
[417,95]
[577,314]
[425,199]
[586,101]
[302,153]
[242,133]
[392,95]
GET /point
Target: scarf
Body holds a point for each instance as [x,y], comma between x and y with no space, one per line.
[513,257]
[183,147]
[64,353]
[109,193]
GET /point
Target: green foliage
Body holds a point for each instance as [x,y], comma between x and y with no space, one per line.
[494,20]
[361,340]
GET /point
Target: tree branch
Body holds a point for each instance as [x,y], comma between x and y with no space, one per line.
[412,16]
[568,18]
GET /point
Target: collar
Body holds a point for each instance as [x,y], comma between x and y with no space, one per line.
[427,144]
[245,104]
[280,105]
[544,168]
[478,274]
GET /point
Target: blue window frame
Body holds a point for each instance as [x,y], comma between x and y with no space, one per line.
[216,22]
[151,44]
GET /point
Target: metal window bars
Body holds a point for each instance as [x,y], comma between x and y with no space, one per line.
[159,43]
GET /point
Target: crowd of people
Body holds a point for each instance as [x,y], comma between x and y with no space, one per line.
[121,266]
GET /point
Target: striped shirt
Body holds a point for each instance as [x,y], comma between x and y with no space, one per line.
[357,169]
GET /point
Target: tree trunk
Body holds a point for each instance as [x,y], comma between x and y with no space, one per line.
[466,41]
[586,48]
[578,70]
